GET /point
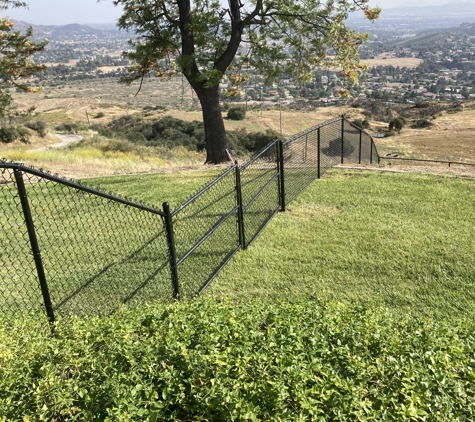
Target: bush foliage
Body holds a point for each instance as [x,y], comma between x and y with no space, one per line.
[38,126]
[236,113]
[68,127]
[211,360]
[171,133]
[421,123]
[10,133]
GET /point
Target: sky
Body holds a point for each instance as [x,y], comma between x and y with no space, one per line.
[61,12]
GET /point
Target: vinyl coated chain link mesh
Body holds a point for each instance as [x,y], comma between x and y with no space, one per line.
[91,251]
[260,191]
[97,253]
[19,287]
[206,233]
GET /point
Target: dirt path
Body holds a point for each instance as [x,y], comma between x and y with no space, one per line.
[66,140]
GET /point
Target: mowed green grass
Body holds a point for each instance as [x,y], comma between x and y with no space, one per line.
[404,240]
[96,253]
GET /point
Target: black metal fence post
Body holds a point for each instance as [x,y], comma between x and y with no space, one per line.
[318,152]
[242,238]
[34,243]
[171,249]
[280,159]
[342,138]
[359,155]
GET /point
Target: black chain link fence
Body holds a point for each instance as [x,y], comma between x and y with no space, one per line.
[73,249]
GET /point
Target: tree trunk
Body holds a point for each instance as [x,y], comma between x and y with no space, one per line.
[216,142]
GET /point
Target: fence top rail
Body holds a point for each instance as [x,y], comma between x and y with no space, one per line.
[76,185]
[312,129]
[266,148]
[428,161]
[206,188]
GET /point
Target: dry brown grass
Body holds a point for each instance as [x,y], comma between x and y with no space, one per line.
[388,59]
[452,137]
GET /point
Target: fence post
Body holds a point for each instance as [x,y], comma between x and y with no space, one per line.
[342,137]
[171,249]
[359,155]
[280,159]
[34,243]
[371,152]
[306,148]
[318,152]
[242,239]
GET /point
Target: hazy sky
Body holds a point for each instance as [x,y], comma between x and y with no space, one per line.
[60,12]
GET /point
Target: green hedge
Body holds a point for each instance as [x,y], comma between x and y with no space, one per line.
[210,360]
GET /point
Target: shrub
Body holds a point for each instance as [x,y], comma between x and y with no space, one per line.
[38,126]
[171,133]
[362,124]
[421,123]
[99,115]
[8,134]
[421,104]
[68,127]
[116,145]
[23,134]
[253,360]
[236,113]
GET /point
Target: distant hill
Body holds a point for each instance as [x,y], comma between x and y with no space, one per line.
[431,11]
[75,28]
[56,30]
[428,40]
[468,29]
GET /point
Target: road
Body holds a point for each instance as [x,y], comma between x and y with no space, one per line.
[66,140]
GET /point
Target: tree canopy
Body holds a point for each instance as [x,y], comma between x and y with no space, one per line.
[206,40]
[16,51]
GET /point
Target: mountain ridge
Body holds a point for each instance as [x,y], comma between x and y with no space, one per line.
[56,30]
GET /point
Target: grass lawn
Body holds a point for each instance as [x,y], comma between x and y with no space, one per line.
[404,240]
[329,316]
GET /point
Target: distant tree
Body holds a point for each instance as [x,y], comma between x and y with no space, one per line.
[397,123]
[465,93]
[202,38]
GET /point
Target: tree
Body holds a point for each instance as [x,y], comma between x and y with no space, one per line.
[207,41]
[16,64]
[397,123]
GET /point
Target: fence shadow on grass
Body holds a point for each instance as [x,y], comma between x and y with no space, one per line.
[72,249]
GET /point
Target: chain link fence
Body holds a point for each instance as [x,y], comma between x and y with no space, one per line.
[72,249]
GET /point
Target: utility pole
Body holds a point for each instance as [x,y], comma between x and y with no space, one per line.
[261,102]
[280,116]
[245,95]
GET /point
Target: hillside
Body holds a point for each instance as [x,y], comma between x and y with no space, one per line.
[56,30]
[437,38]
